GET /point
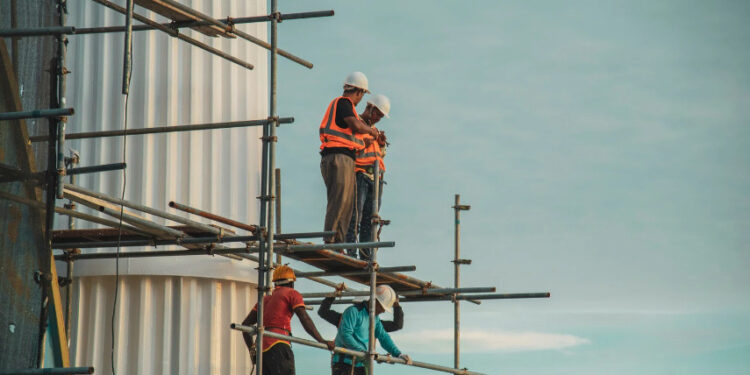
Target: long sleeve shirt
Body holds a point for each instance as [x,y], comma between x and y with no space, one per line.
[354,334]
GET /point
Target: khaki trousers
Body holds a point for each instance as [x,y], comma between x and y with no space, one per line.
[338,174]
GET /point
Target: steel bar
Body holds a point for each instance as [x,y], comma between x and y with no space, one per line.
[176,34]
[332,246]
[371,263]
[380,358]
[96,168]
[128,46]
[12,173]
[457,262]
[41,31]
[408,293]
[277,173]
[37,113]
[447,298]
[187,24]
[166,129]
[190,240]
[65,211]
[50,371]
[358,272]
[142,208]
[208,215]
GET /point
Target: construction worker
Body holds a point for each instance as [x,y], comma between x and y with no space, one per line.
[354,333]
[341,136]
[334,317]
[278,308]
[377,107]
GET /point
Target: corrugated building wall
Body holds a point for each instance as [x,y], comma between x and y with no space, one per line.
[173,314]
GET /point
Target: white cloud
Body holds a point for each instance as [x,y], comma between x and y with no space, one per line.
[476,341]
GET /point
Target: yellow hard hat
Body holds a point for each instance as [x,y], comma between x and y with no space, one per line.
[283,273]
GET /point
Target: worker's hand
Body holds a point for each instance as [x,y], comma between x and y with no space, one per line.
[406,358]
[395,304]
[381,139]
[374,132]
[368,142]
[329,344]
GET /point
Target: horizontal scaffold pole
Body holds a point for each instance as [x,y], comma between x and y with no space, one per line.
[53,370]
[165,129]
[214,217]
[414,293]
[381,358]
[175,33]
[41,31]
[191,240]
[355,273]
[37,113]
[96,168]
[416,298]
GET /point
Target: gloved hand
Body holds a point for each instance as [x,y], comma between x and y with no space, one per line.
[406,358]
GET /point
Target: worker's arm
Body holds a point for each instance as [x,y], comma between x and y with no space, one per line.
[385,340]
[398,319]
[325,312]
[349,322]
[309,326]
[359,126]
[251,319]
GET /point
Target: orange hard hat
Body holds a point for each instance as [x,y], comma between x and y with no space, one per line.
[283,273]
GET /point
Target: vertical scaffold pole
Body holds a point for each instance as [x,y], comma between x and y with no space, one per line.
[457,262]
[277,200]
[265,256]
[62,42]
[373,262]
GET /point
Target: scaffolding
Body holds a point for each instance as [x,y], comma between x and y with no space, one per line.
[264,244]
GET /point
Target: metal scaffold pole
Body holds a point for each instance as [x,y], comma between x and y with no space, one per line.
[373,265]
[457,262]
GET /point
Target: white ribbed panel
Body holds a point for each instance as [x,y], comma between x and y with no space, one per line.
[164,325]
[168,324]
[173,83]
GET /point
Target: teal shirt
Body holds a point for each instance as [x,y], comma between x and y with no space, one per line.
[354,333]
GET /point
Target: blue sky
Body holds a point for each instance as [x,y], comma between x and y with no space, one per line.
[603,146]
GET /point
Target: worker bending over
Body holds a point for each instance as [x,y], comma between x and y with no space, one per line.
[361,222]
[341,136]
[334,317]
[278,308]
[354,333]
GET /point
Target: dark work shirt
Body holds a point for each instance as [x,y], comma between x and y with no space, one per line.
[334,317]
[344,109]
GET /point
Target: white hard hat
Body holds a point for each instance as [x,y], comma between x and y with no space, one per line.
[386,296]
[358,80]
[382,103]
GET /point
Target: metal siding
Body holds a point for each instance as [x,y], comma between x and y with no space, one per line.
[176,321]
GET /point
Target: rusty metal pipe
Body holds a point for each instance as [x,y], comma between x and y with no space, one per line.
[214,217]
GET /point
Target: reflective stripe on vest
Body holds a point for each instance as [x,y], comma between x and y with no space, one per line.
[331,135]
[366,157]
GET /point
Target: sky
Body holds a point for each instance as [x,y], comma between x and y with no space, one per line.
[604,148]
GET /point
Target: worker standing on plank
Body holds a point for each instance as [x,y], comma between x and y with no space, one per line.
[361,221]
[334,317]
[341,136]
[279,306]
[354,333]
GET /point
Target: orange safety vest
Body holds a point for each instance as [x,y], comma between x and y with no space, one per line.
[367,157]
[331,135]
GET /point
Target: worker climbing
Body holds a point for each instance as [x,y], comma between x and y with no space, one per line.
[361,222]
[338,145]
[354,333]
[279,306]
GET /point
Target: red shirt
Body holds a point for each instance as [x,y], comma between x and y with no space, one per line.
[278,309]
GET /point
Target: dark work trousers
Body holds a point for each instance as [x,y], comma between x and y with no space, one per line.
[338,175]
[361,220]
[279,360]
[344,369]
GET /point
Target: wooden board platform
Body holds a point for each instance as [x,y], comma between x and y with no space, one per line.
[175,14]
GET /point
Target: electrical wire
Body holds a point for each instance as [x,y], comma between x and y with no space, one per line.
[122,211]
